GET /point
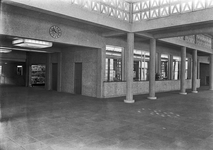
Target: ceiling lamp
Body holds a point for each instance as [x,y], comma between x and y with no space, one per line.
[4,50]
[31,43]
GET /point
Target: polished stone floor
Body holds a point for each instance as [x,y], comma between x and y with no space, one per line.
[36,119]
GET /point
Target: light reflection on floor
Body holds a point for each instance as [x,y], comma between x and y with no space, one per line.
[159,113]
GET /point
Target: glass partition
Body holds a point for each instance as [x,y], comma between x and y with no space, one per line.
[176,67]
[164,66]
[141,63]
[20,70]
[186,70]
[113,71]
[38,75]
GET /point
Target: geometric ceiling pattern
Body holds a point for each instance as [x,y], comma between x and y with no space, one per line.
[150,9]
[114,8]
[138,10]
[142,9]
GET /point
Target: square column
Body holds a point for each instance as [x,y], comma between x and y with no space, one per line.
[158,63]
[170,67]
[27,72]
[152,69]
[48,72]
[129,68]
[59,71]
[198,69]
[1,109]
[183,70]
[101,65]
[3,113]
[211,72]
[194,72]
[190,64]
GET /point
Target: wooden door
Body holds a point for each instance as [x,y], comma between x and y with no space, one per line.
[54,76]
[78,78]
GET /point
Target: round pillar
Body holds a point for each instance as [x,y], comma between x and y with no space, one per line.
[152,69]
[183,70]
[129,68]
[194,72]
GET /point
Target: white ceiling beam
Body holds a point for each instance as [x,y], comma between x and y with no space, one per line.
[177,20]
[66,9]
[180,42]
[146,35]
[184,32]
[111,34]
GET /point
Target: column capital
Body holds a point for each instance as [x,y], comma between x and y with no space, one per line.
[130,34]
[183,47]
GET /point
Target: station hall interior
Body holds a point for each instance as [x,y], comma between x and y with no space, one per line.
[106,74]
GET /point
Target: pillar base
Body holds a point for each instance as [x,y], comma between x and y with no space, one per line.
[183,93]
[152,98]
[194,91]
[211,89]
[129,101]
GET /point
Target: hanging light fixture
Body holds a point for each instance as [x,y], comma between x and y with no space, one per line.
[2,50]
[9,49]
[31,43]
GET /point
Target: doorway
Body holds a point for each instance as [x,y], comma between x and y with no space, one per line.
[78,78]
[204,74]
[207,80]
[54,76]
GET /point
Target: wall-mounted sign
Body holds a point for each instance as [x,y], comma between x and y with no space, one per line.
[55,31]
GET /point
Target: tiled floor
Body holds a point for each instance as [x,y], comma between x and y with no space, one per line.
[36,119]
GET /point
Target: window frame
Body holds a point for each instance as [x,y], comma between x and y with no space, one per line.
[164,75]
[178,67]
[113,63]
[141,56]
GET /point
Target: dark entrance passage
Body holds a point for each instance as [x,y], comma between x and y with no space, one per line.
[78,78]
[12,73]
[54,76]
[207,80]
[204,74]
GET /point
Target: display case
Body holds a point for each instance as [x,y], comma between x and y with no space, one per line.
[38,75]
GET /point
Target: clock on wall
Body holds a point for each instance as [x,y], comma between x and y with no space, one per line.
[55,31]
